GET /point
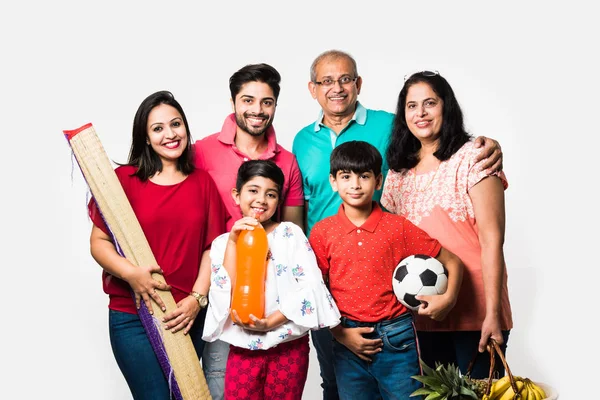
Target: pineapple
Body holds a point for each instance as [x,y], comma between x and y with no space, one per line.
[446,382]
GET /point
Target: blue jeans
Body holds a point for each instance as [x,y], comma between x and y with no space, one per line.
[135,356]
[214,363]
[323,342]
[459,348]
[389,374]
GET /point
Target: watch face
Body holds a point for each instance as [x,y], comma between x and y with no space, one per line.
[203,300]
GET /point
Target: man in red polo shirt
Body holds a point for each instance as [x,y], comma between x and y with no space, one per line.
[375,350]
[247,134]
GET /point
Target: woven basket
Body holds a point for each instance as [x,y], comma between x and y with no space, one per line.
[494,349]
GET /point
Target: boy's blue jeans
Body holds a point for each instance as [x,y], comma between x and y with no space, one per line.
[388,375]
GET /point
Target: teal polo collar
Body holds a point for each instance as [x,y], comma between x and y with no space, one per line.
[360,117]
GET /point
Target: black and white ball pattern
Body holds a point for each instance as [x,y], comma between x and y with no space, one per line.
[418,275]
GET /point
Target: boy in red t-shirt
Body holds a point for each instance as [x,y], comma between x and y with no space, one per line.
[375,348]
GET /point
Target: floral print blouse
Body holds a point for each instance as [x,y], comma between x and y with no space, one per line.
[294,286]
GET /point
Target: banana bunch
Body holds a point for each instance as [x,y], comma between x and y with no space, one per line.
[526,390]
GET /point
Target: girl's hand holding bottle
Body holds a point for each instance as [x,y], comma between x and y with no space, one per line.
[267,324]
[243,224]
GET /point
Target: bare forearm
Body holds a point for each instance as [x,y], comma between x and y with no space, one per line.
[455,277]
[488,204]
[276,319]
[105,254]
[202,283]
[455,269]
[492,264]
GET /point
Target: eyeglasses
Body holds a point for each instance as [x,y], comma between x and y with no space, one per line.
[424,73]
[343,81]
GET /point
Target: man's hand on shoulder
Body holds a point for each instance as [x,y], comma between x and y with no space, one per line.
[491,153]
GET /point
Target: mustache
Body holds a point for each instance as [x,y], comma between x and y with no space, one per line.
[248,115]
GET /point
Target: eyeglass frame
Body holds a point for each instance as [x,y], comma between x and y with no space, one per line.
[424,72]
[333,81]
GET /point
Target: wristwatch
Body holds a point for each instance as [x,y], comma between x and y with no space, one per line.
[202,299]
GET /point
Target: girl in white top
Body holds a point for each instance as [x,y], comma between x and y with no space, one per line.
[296,298]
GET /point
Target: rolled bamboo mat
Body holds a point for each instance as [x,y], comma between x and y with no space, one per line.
[175,352]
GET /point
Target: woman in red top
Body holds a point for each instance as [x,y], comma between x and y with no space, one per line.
[180,212]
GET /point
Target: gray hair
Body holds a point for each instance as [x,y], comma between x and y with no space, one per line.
[331,55]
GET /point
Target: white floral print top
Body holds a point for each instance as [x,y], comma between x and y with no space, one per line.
[294,286]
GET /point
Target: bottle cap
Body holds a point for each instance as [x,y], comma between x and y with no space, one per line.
[256,213]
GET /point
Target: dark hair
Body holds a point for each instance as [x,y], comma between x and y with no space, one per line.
[355,156]
[403,150]
[141,155]
[255,73]
[265,168]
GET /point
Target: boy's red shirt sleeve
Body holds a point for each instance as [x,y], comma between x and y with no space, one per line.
[318,245]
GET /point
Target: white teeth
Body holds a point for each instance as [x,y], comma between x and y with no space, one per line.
[171,145]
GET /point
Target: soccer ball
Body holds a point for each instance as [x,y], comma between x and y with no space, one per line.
[418,275]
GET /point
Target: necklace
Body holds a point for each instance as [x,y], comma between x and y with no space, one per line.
[418,189]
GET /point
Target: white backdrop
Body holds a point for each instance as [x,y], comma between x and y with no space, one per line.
[525,74]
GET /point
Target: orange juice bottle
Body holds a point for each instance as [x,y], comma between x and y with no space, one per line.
[248,295]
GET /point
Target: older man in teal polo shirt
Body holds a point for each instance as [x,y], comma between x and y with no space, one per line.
[335,84]
[313,146]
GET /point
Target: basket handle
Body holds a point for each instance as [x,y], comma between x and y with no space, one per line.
[493,348]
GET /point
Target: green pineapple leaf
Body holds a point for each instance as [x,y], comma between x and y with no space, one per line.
[445,382]
[426,369]
[421,391]
[468,392]
[431,381]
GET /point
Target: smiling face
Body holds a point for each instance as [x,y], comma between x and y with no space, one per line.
[254,108]
[337,100]
[423,112]
[259,198]
[166,133]
[356,189]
